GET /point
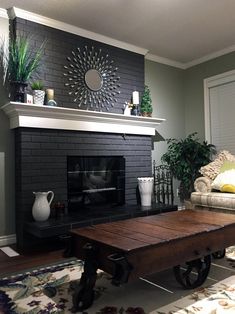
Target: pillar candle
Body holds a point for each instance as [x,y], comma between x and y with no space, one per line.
[135,98]
[50,94]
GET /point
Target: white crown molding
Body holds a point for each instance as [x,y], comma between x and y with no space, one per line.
[210,57]
[163,60]
[16,12]
[7,240]
[190,64]
[3,13]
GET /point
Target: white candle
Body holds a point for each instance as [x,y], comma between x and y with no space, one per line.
[135,98]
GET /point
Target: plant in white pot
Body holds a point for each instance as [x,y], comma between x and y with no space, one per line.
[38,92]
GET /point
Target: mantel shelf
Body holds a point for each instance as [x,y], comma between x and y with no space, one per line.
[48,117]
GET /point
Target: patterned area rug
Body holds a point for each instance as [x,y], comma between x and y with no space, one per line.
[48,290]
[216,299]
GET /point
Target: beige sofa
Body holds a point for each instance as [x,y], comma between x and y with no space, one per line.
[204,196]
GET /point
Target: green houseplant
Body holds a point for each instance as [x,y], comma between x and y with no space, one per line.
[37,85]
[19,63]
[38,92]
[146,108]
[185,157]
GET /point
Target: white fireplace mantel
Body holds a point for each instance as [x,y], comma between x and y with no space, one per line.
[48,117]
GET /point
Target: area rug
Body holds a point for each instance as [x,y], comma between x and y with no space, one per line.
[49,290]
[216,299]
[230,253]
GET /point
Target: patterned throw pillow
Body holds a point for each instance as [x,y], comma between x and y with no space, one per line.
[213,168]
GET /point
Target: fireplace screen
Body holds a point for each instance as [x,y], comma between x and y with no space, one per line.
[95,181]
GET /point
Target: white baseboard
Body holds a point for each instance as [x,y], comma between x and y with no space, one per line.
[7,240]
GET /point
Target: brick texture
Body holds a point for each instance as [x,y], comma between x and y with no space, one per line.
[41,163]
[58,47]
[41,155]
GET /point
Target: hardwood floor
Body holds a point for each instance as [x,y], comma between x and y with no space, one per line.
[27,261]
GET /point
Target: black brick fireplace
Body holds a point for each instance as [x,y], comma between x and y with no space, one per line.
[45,137]
[41,165]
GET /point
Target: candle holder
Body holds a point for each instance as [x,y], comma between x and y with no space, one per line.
[135,110]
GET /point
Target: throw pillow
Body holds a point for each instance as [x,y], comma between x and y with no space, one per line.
[228,188]
[213,168]
[227,165]
[225,178]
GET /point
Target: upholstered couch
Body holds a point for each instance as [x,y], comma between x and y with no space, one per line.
[215,189]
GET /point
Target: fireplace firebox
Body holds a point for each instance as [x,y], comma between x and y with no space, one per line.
[94,181]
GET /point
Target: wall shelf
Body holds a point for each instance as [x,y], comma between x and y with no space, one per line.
[48,117]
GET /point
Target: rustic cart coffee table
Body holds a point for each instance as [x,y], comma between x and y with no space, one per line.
[140,246]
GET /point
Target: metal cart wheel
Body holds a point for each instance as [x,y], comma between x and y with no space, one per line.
[193,273]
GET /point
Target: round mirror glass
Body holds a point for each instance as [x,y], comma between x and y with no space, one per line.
[93,80]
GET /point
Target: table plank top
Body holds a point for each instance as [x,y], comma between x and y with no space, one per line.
[136,233]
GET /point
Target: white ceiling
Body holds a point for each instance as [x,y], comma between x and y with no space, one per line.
[180,30]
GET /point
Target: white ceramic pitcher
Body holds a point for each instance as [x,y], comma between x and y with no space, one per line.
[41,207]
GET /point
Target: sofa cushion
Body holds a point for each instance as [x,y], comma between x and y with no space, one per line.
[224,180]
[213,168]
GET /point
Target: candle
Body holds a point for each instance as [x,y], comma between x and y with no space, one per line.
[50,94]
[135,98]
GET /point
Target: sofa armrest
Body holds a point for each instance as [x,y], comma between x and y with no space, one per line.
[203,185]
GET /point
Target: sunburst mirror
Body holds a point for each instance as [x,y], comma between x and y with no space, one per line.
[92,79]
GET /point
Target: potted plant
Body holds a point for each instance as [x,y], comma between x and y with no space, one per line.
[146,108]
[185,157]
[19,63]
[38,92]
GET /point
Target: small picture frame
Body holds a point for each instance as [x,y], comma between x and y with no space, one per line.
[28,99]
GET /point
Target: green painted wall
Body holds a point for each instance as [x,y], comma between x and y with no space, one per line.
[178,96]
[194,90]
[166,86]
[7,185]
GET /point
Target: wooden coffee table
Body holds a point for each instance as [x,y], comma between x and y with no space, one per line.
[136,247]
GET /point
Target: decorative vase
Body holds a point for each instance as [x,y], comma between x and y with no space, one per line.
[41,207]
[18,89]
[145,185]
[38,97]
